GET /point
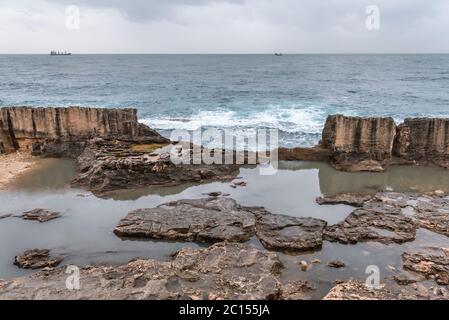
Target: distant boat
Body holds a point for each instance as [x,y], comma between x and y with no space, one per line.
[60,53]
[278,54]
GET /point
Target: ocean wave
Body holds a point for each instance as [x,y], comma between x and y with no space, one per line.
[308,120]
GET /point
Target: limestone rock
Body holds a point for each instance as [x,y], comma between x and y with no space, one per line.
[221,271]
[57,132]
[351,199]
[337,264]
[359,144]
[433,263]
[316,153]
[203,220]
[286,233]
[356,290]
[40,215]
[369,224]
[36,259]
[424,140]
[105,167]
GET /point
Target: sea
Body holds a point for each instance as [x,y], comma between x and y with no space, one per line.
[240,93]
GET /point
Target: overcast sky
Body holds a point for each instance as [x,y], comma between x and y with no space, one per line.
[223,26]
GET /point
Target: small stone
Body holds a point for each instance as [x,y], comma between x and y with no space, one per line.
[316,261]
[36,259]
[405,278]
[350,199]
[213,194]
[439,193]
[40,215]
[391,268]
[337,264]
[304,265]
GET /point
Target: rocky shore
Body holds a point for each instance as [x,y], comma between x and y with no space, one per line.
[242,246]
[372,144]
[115,152]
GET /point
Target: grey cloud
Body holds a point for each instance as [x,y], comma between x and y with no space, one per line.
[143,10]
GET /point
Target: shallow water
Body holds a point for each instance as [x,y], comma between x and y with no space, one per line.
[84,233]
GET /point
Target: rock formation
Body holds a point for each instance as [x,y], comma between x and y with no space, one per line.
[106,167]
[350,199]
[433,263]
[376,221]
[222,219]
[424,140]
[36,259]
[60,132]
[202,220]
[221,271]
[372,144]
[357,143]
[286,233]
[40,215]
[357,290]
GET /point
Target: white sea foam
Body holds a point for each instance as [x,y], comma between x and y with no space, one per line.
[290,120]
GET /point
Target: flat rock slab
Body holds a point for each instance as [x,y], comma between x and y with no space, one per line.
[433,214]
[357,290]
[40,215]
[367,225]
[285,233]
[107,167]
[351,199]
[433,263]
[380,219]
[36,259]
[221,271]
[203,220]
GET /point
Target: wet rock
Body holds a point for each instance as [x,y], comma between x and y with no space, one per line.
[337,264]
[221,271]
[304,265]
[351,199]
[405,278]
[433,214]
[316,261]
[359,144]
[316,153]
[285,233]
[203,220]
[296,290]
[40,215]
[106,167]
[36,259]
[214,194]
[356,290]
[373,225]
[56,132]
[431,211]
[423,140]
[236,184]
[433,263]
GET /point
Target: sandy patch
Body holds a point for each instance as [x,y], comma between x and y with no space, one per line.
[14,165]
